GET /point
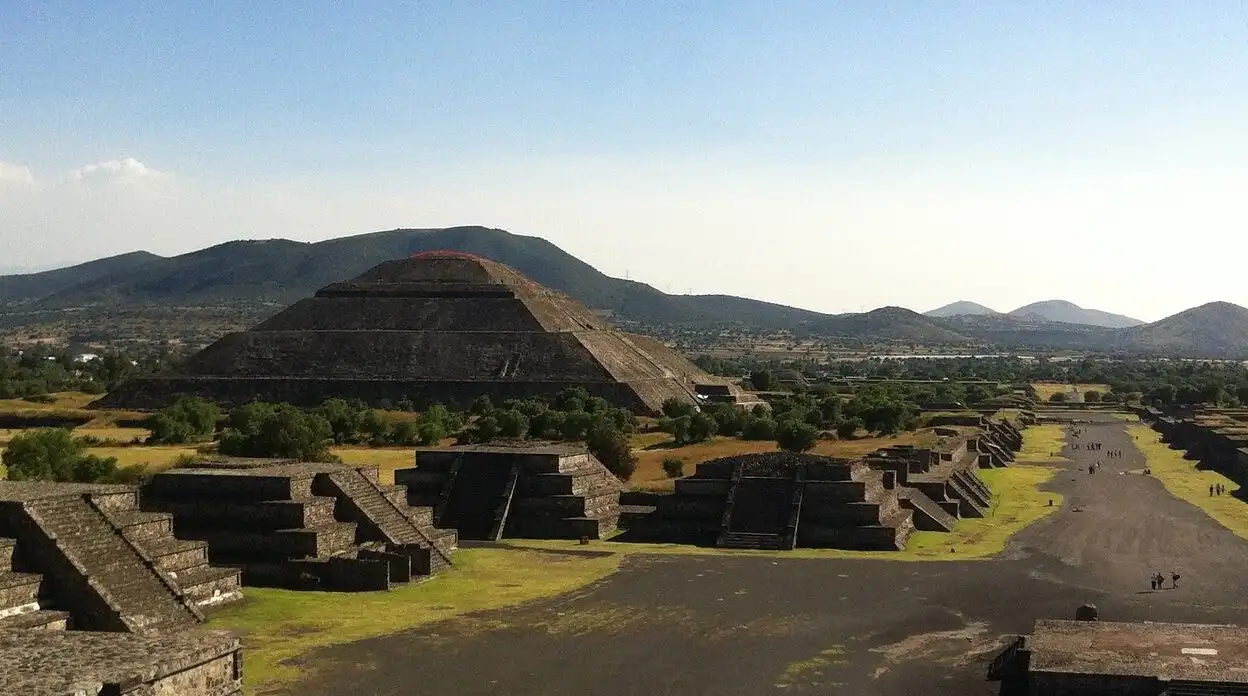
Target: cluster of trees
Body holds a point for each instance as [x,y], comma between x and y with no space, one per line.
[54,454]
[573,415]
[796,421]
[34,372]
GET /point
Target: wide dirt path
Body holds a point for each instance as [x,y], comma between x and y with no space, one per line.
[771,625]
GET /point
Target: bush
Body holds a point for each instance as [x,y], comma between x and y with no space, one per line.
[1058,397]
[430,433]
[796,436]
[674,467]
[39,398]
[188,420]
[512,423]
[848,428]
[481,405]
[757,428]
[482,429]
[266,430]
[701,427]
[52,454]
[762,380]
[403,432]
[1092,397]
[612,448]
[675,408]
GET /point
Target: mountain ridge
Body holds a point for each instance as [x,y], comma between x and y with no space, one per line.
[250,279]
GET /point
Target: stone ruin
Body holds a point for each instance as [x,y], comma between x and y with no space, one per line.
[780,500]
[522,489]
[437,327]
[98,596]
[302,525]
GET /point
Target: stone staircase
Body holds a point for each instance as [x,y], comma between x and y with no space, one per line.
[751,540]
[379,518]
[184,561]
[927,514]
[23,599]
[113,584]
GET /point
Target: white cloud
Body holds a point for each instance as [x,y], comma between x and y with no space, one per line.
[15,173]
[119,170]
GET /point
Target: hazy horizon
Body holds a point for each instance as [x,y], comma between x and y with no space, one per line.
[837,159]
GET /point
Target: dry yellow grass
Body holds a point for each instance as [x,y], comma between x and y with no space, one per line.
[649,474]
[124,435]
[1045,390]
[154,458]
[62,401]
[1042,443]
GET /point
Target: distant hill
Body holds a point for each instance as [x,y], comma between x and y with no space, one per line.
[1216,329]
[268,274]
[30,287]
[960,309]
[891,324]
[1071,313]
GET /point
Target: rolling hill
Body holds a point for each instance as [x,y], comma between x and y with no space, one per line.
[960,309]
[268,274]
[1071,313]
[232,285]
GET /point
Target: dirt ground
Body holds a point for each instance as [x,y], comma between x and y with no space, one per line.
[767,624]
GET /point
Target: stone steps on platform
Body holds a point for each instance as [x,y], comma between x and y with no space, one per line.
[38,619]
[749,540]
[926,513]
[117,571]
[19,592]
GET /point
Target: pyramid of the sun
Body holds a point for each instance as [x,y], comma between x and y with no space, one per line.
[437,327]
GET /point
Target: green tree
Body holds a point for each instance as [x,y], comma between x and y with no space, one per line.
[796,436]
[1092,396]
[430,433]
[283,431]
[483,429]
[762,380]
[848,428]
[1058,397]
[481,405]
[189,419]
[52,454]
[757,428]
[701,427]
[673,467]
[512,423]
[611,447]
[678,427]
[675,408]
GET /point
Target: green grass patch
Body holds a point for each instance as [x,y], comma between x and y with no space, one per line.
[280,626]
[1185,482]
[1042,443]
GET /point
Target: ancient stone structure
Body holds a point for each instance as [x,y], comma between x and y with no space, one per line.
[438,327]
[85,557]
[1217,438]
[522,489]
[64,663]
[1093,658]
[302,525]
[779,500]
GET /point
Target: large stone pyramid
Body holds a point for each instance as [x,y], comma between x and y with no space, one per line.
[437,327]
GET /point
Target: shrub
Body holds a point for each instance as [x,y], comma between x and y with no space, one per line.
[403,432]
[1092,397]
[1058,397]
[39,398]
[701,427]
[762,380]
[674,467]
[430,433]
[482,429]
[52,454]
[796,436]
[265,430]
[848,428]
[481,405]
[612,448]
[757,428]
[675,408]
[188,420]
[512,423]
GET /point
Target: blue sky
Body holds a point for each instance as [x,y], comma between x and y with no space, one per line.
[837,156]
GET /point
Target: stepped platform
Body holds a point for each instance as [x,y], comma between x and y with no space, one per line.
[529,490]
[776,500]
[60,663]
[297,525]
[84,557]
[1144,659]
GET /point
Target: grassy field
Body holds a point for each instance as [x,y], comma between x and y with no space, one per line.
[1074,392]
[1184,481]
[280,626]
[1042,443]
[650,450]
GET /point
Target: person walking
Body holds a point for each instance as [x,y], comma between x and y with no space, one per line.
[1210,491]
[1174,579]
[1153,582]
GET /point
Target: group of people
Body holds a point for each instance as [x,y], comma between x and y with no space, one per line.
[1216,489]
[1159,581]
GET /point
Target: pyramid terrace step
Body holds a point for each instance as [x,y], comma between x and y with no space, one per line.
[170,554]
[207,586]
[7,547]
[18,591]
[253,514]
[747,540]
[40,619]
[137,525]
